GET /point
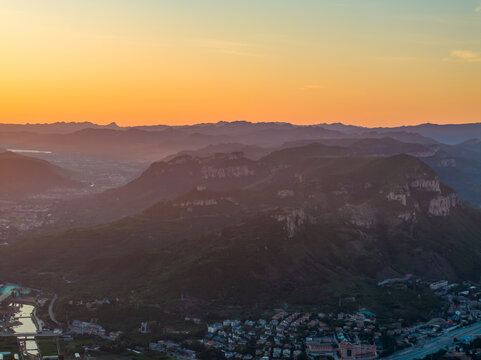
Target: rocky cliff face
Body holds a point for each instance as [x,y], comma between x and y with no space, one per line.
[294,220]
[442,205]
[405,192]
[197,202]
[209,172]
[424,184]
[416,194]
[438,202]
[400,196]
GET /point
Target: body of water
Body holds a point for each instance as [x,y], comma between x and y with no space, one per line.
[29,151]
[25,324]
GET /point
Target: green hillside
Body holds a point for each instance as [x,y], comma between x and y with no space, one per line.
[306,232]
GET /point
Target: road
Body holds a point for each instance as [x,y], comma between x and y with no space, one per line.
[436,344]
[50,310]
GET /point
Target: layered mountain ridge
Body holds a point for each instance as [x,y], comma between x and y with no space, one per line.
[164,180]
[284,228]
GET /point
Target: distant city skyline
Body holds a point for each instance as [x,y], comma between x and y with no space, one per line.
[367,63]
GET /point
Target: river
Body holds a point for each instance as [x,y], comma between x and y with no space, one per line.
[29,151]
[24,324]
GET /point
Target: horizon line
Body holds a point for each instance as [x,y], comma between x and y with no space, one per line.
[113,123]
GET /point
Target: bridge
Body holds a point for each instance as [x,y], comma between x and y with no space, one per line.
[25,335]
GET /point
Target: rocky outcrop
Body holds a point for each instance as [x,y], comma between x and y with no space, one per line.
[293,221]
[407,216]
[198,202]
[209,172]
[442,205]
[398,196]
[421,184]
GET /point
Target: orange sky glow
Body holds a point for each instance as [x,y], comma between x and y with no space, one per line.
[371,63]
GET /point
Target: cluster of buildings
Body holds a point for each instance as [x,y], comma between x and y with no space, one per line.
[356,336]
[173,349]
[89,328]
[284,335]
[17,218]
[296,335]
[20,217]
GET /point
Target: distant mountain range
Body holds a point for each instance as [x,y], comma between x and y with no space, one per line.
[449,133]
[23,176]
[151,143]
[54,128]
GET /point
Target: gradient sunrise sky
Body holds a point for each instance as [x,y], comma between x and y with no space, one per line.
[366,62]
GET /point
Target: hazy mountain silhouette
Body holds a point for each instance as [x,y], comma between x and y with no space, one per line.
[54,128]
[151,143]
[449,133]
[22,176]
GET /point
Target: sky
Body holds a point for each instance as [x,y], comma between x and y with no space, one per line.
[363,62]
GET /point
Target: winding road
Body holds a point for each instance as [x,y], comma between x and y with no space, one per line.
[50,310]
